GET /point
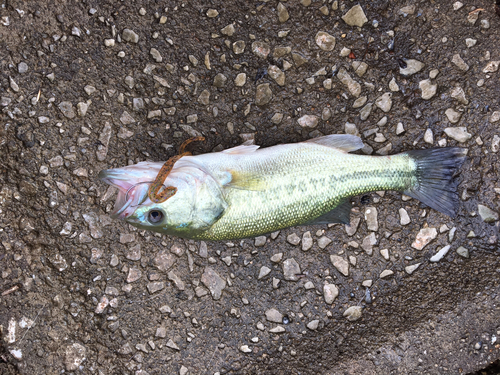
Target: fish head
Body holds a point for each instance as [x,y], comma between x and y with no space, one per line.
[196,205]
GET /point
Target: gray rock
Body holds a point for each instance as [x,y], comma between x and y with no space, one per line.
[313,324]
[353,226]
[130,36]
[323,242]
[412,268]
[291,269]
[263,94]
[212,13]
[459,94]
[283,15]
[495,144]
[229,30]
[368,243]
[340,264]
[134,274]
[276,74]
[371,218]
[491,67]
[412,66]
[239,47]
[424,237]
[67,110]
[459,134]
[155,286]
[359,102]
[365,111]
[325,41]
[155,54]
[75,354]
[330,292]
[307,241]
[172,345]
[404,217]
[440,254]
[276,258]
[453,116]
[278,329]
[213,282]
[298,59]
[204,97]
[355,16]
[459,62]
[353,86]
[393,86]
[220,80]
[260,241]
[308,121]
[261,49]
[13,85]
[264,271]
[384,102]
[463,252]
[360,68]
[470,42]
[495,117]
[386,273]
[22,67]
[487,214]
[353,313]
[126,118]
[274,316]
[427,88]
[429,136]
[240,79]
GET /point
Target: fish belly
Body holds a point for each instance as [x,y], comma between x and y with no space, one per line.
[301,184]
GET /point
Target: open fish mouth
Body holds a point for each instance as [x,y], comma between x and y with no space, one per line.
[132,189]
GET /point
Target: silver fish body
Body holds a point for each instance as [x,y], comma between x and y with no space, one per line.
[246,191]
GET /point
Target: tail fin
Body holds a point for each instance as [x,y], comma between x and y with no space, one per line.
[436,185]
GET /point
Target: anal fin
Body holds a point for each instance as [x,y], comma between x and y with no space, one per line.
[340,214]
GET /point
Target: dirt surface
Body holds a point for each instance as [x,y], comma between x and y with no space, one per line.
[81,293]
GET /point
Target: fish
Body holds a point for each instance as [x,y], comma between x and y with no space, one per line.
[248,191]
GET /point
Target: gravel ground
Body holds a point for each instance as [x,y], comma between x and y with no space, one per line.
[90,85]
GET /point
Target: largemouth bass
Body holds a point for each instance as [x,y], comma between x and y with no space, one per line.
[246,191]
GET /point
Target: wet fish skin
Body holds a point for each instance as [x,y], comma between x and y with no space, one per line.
[246,191]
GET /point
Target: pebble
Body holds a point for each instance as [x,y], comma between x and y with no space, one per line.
[353,313]
[245,349]
[495,144]
[293,239]
[495,116]
[459,94]
[134,274]
[130,36]
[412,66]
[459,134]
[385,253]
[239,47]
[410,269]
[309,285]
[277,329]
[260,241]
[204,97]
[440,254]
[307,241]
[491,67]
[400,128]
[340,264]
[172,345]
[330,292]
[183,371]
[298,59]
[453,116]
[433,73]
[261,49]
[345,52]
[276,258]
[109,42]
[291,269]
[213,282]
[75,354]
[487,214]
[427,88]
[155,54]
[212,13]
[365,111]
[404,217]
[283,15]
[360,68]
[326,114]
[360,102]
[22,67]
[393,86]
[308,121]
[313,324]
[371,217]
[323,242]
[229,30]
[67,110]
[485,24]
[424,237]
[325,41]
[386,273]
[355,16]
[457,5]
[469,42]
[463,252]
[276,74]
[384,102]
[429,136]
[459,62]
[263,94]
[176,280]
[16,353]
[353,86]
[220,80]
[264,271]
[368,243]
[274,316]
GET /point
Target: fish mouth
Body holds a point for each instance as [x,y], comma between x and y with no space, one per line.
[132,191]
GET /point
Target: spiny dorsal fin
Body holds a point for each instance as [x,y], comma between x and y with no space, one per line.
[340,214]
[241,149]
[344,142]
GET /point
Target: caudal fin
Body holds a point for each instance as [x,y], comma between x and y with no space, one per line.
[436,185]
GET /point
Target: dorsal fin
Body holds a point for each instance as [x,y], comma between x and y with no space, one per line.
[241,149]
[344,142]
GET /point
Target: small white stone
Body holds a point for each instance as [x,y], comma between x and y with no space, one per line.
[330,292]
[313,325]
[264,271]
[353,313]
[433,73]
[404,217]
[428,136]
[386,273]
[424,237]
[440,254]
[400,128]
[459,134]
[463,252]
[245,349]
[457,5]
[427,88]
[410,269]
[453,116]
[393,86]
[385,253]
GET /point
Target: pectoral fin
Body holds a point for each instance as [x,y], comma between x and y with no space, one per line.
[245,181]
[340,214]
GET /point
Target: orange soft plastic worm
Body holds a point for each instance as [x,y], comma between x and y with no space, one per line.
[154,193]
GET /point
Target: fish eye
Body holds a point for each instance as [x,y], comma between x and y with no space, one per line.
[155,216]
